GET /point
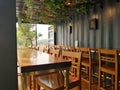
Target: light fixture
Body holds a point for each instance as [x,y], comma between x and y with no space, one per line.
[111,12]
[72,2]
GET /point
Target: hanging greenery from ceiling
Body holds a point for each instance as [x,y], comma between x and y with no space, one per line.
[49,11]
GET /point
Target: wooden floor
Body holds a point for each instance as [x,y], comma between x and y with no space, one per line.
[84,85]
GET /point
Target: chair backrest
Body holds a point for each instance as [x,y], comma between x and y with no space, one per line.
[50,49]
[70,48]
[55,52]
[77,49]
[86,54]
[57,46]
[46,49]
[75,58]
[107,56]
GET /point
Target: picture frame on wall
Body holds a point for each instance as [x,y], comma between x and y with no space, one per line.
[93,24]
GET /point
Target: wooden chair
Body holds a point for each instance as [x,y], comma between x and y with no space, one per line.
[70,48]
[87,66]
[46,82]
[55,52]
[57,46]
[74,73]
[46,49]
[77,49]
[108,69]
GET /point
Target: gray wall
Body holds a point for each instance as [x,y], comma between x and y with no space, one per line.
[107,34]
[8,70]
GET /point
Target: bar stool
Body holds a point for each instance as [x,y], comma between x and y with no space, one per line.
[87,66]
[108,69]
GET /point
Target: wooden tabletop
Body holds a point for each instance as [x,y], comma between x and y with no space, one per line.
[32,60]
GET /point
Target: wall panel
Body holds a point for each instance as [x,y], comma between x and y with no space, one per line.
[107,34]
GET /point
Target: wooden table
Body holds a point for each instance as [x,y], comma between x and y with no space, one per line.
[32,60]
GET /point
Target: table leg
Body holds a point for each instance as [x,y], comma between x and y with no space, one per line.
[67,78]
[25,81]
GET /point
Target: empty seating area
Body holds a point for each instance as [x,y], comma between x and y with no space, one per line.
[91,69]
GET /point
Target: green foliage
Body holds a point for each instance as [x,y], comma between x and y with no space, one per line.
[39,35]
[29,3]
[20,38]
[51,10]
[25,35]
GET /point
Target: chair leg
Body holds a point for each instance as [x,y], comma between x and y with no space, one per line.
[99,80]
[34,83]
[89,78]
[37,87]
[113,82]
[29,80]
[116,82]
[103,79]
[92,72]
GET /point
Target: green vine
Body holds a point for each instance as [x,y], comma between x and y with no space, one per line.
[52,10]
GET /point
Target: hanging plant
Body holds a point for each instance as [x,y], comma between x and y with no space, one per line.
[27,14]
[52,10]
